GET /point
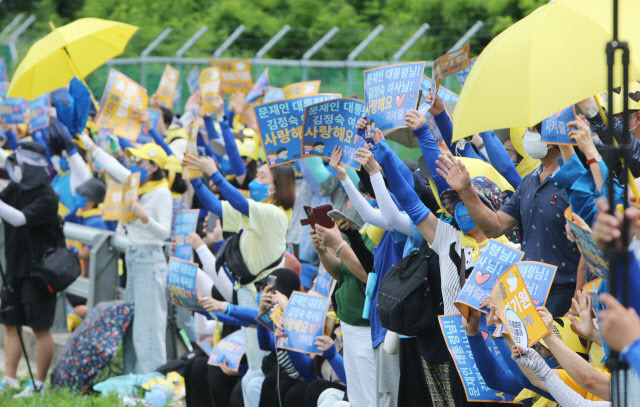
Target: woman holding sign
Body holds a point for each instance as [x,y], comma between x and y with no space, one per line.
[146,262]
[261,225]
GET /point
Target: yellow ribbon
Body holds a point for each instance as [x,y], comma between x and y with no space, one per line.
[467,241]
[152,185]
[89,212]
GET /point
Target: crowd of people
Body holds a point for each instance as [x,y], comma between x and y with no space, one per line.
[249,229]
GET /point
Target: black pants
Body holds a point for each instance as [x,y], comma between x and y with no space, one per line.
[208,386]
[306,394]
[271,385]
[413,387]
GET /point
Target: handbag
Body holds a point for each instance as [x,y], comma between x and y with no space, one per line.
[230,255]
[58,268]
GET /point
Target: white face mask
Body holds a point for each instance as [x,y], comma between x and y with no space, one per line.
[533,146]
[15,172]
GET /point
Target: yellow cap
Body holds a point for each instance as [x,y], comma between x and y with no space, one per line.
[173,164]
[562,329]
[247,148]
[151,152]
[175,133]
[516,134]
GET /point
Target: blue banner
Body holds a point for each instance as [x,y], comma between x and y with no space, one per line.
[458,344]
[12,110]
[181,282]
[186,222]
[259,87]
[230,349]
[323,282]
[39,113]
[144,137]
[538,278]
[330,124]
[193,79]
[463,74]
[280,125]
[590,250]
[555,129]
[303,321]
[390,91]
[493,262]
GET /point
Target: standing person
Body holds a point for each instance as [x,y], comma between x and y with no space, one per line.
[145,259]
[28,208]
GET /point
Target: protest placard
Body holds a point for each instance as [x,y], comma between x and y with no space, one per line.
[538,278]
[112,206]
[445,94]
[130,195]
[12,110]
[104,139]
[495,259]
[121,95]
[280,125]
[235,75]
[324,282]
[448,64]
[3,71]
[168,86]
[230,349]
[192,150]
[333,123]
[270,318]
[593,256]
[193,79]
[39,113]
[273,94]
[177,97]
[259,87]
[517,311]
[206,348]
[209,88]
[303,321]
[144,137]
[299,89]
[457,342]
[181,282]
[186,222]
[463,74]
[555,129]
[390,91]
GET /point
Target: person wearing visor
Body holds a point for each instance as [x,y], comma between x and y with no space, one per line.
[146,262]
[29,211]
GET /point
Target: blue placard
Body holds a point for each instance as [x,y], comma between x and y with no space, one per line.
[390,91]
[589,249]
[3,71]
[445,94]
[555,129]
[256,90]
[12,110]
[230,349]
[303,321]
[193,79]
[39,113]
[280,125]
[206,348]
[463,74]
[186,222]
[493,262]
[333,123]
[458,344]
[144,137]
[323,282]
[265,320]
[273,94]
[538,278]
[104,139]
[181,282]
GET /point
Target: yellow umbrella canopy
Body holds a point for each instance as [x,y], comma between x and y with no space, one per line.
[76,49]
[545,62]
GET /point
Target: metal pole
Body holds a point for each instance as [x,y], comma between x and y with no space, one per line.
[358,50]
[412,40]
[315,48]
[16,20]
[13,38]
[154,44]
[273,41]
[187,45]
[227,43]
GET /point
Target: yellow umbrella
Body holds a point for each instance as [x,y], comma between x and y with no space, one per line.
[543,63]
[76,49]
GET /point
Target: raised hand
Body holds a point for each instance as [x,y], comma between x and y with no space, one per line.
[414,120]
[335,163]
[470,324]
[365,158]
[454,172]
[582,305]
[204,164]
[438,105]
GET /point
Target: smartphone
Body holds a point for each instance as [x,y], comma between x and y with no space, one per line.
[337,215]
[272,280]
[212,219]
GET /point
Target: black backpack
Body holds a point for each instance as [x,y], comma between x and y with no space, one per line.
[230,255]
[409,299]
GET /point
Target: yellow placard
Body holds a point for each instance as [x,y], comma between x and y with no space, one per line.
[112,206]
[209,88]
[235,75]
[130,195]
[298,89]
[167,86]
[276,316]
[517,311]
[121,96]
[192,149]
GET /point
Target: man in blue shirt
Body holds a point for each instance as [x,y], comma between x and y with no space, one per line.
[537,207]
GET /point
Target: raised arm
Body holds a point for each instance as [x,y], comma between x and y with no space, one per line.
[111,165]
[329,260]
[78,168]
[500,159]
[332,239]
[208,260]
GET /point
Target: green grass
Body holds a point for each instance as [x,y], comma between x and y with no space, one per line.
[58,398]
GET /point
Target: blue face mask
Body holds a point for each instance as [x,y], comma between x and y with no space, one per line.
[551,362]
[143,172]
[463,219]
[258,191]
[225,166]
[372,202]
[64,164]
[80,201]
